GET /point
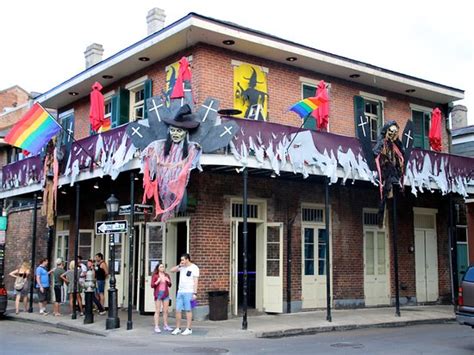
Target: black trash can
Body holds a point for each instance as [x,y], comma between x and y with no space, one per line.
[218,302]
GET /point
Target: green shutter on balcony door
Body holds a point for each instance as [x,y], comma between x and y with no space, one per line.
[148,93]
[359,110]
[120,108]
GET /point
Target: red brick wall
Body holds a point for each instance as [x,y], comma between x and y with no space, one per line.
[210,231]
[12,97]
[213,76]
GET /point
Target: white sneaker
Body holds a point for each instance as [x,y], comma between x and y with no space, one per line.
[176,331]
[157,330]
[187,331]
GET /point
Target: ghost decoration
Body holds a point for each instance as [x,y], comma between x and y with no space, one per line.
[171,143]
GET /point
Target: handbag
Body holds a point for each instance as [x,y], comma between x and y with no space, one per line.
[20,283]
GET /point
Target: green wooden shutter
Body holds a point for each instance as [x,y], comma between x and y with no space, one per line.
[417,117]
[359,110]
[120,108]
[309,122]
[68,127]
[115,111]
[380,117]
[124,101]
[148,92]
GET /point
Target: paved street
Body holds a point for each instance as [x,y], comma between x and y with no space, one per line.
[25,338]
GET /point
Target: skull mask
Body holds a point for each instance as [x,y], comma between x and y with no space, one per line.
[392,133]
[177,134]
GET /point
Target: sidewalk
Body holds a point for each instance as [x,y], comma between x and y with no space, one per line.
[263,326]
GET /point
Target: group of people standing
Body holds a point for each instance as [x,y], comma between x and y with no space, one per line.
[186,297]
[44,279]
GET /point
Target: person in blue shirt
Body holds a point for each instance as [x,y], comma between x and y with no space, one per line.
[42,285]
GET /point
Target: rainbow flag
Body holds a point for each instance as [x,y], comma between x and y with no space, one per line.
[34,130]
[304,107]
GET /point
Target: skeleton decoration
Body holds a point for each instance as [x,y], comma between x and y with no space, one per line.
[389,157]
[171,143]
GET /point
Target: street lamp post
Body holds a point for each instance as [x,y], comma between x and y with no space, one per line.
[113,320]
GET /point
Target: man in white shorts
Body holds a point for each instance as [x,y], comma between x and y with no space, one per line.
[187,292]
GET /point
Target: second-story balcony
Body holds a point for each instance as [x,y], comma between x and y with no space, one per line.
[278,149]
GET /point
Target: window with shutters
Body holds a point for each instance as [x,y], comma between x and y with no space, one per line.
[129,103]
[108,104]
[137,101]
[421,128]
[66,120]
[372,111]
[368,111]
[309,89]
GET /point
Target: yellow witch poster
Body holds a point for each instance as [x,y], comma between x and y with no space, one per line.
[250,92]
[171,76]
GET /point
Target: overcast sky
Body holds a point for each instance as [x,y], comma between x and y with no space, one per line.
[42,42]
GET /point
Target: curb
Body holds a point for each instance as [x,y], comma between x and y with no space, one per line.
[346,327]
[59,325]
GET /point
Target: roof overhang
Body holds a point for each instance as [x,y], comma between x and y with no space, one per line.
[193,29]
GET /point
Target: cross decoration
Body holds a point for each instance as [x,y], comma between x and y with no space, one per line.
[136,131]
[155,108]
[362,124]
[409,137]
[227,130]
[209,108]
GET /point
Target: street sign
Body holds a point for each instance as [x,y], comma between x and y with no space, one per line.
[103,227]
[139,209]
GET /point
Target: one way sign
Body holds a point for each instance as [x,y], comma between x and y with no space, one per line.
[103,227]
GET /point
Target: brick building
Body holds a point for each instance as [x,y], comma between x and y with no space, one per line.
[286,197]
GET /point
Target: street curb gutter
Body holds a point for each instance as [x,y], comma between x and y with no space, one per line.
[326,329]
[59,325]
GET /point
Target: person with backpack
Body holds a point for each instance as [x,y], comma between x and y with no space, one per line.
[21,275]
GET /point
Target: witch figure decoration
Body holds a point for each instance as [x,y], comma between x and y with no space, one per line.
[170,162]
[172,139]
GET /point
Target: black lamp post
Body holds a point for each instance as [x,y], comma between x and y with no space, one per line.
[113,321]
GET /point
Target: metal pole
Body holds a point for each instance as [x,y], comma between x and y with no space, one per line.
[113,320]
[33,250]
[244,234]
[142,271]
[395,252]
[130,249]
[288,265]
[328,254]
[50,245]
[76,251]
[453,265]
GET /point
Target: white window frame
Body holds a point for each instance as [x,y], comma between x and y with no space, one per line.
[317,225]
[108,100]
[375,99]
[133,87]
